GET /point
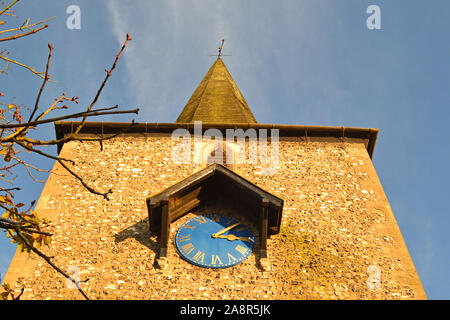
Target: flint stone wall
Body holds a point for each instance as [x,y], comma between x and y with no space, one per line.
[336,224]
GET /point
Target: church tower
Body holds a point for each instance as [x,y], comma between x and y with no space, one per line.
[219,206]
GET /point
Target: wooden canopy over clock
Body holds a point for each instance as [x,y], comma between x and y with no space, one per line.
[256,204]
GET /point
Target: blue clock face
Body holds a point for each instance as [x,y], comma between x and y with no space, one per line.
[214,241]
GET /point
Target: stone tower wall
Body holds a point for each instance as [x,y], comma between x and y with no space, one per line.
[338,230]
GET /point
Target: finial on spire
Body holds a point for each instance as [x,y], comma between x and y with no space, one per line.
[220,51]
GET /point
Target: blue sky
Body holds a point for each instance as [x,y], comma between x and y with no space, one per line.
[296,62]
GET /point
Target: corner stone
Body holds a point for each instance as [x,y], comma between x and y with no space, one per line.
[162,263]
[264,264]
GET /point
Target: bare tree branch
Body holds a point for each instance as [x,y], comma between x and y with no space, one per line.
[36,105]
[26,26]
[25,227]
[17,36]
[70,116]
[8,6]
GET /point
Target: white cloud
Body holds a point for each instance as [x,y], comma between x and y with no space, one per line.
[168,37]
[172,40]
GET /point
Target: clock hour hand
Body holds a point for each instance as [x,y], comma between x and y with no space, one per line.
[215,235]
[232,237]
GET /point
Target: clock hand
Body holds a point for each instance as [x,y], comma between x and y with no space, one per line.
[215,235]
[232,237]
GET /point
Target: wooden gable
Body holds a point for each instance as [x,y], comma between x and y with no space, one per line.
[258,205]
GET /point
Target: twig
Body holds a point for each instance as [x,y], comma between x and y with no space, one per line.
[36,105]
[42,153]
[17,36]
[9,189]
[108,74]
[8,224]
[39,74]
[9,6]
[105,195]
[20,294]
[70,116]
[26,26]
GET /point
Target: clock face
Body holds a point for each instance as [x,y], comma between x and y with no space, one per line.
[214,241]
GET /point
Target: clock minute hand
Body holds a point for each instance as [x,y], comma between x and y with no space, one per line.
[215,235]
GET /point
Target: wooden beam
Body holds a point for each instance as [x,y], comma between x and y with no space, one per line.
[264,227]
[165,227]
[180,211]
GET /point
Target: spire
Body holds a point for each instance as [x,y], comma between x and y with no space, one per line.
[217,99]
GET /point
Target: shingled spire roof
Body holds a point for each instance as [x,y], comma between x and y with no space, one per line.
[217,99]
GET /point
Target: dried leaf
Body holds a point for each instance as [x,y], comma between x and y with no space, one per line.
[7,157]
[47,240]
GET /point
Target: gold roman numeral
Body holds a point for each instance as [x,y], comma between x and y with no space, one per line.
[231,259]
[199,257]
[187,248]
[215,260]
[200,219]
[189,227]
[242,250]
[215,217]
[185,238]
